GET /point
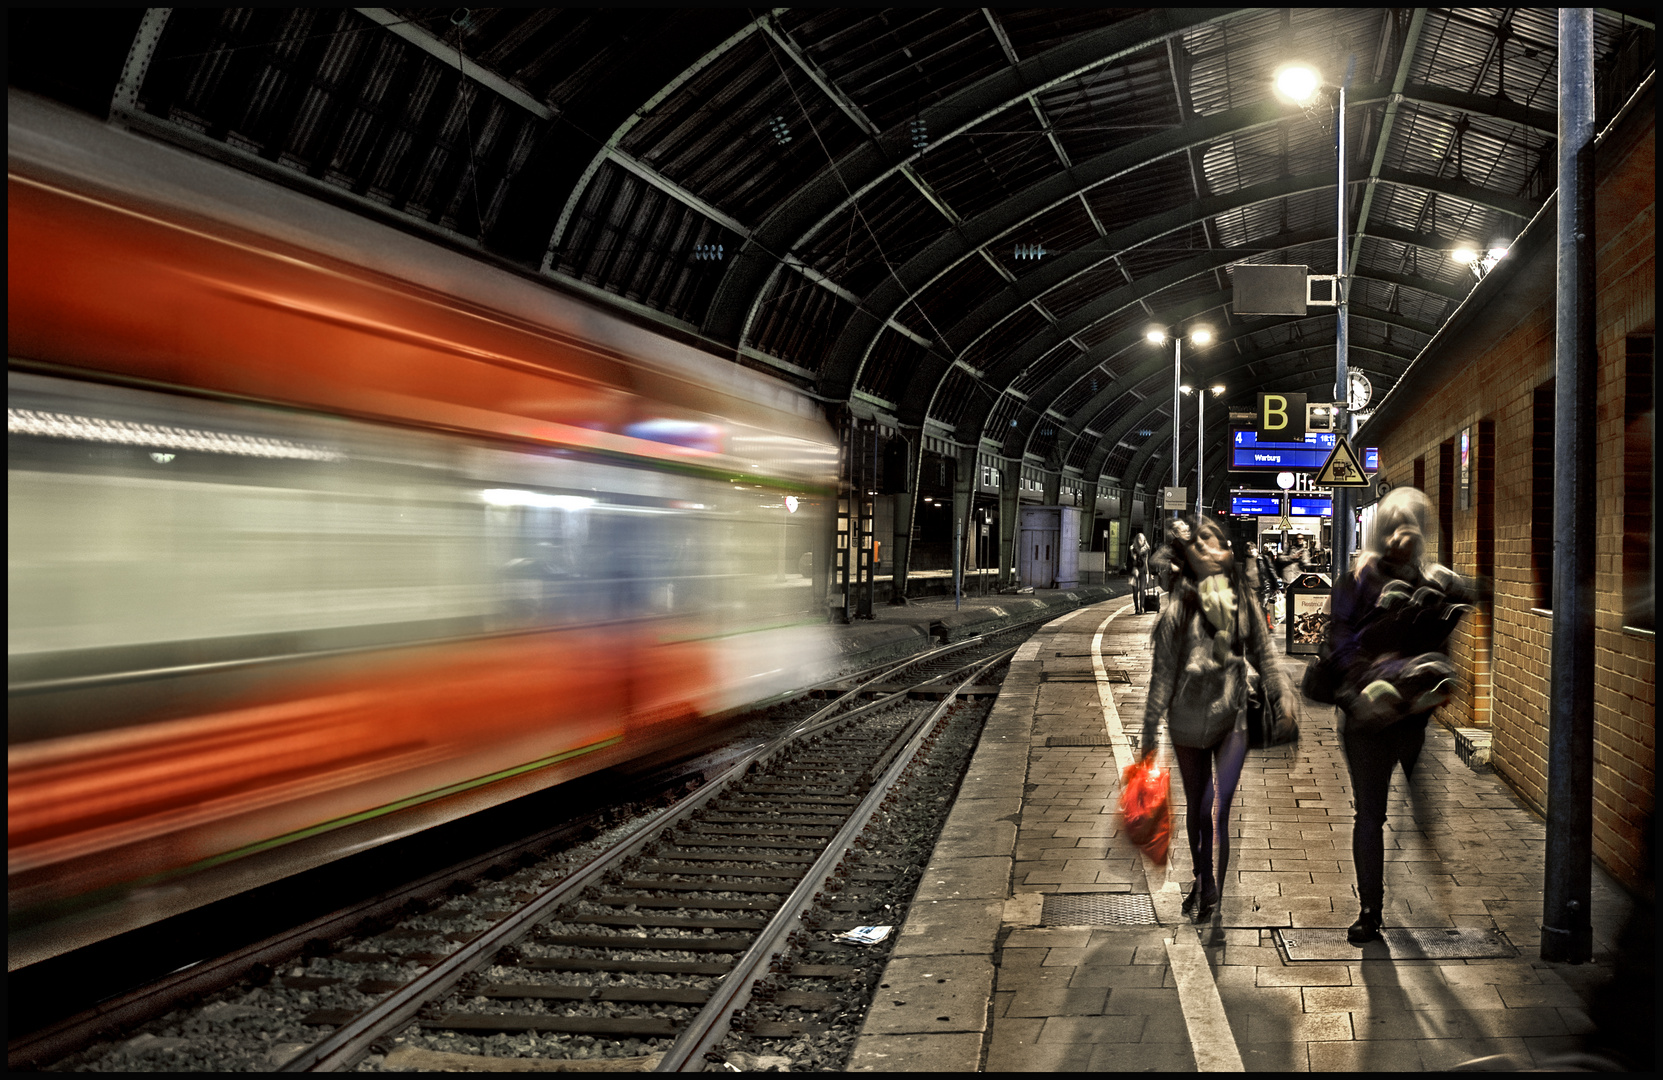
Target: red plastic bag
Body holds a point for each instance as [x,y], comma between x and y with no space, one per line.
[1144,806]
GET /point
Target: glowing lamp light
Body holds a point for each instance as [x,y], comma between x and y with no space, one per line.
[1156,337]
[1217,389]
[1498,253]
[1201,335]
[1186,388]
[1297,82]
[1464,255]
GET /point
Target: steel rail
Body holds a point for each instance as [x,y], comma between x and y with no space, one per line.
[343,1046]
[136,1006]
[686,1053]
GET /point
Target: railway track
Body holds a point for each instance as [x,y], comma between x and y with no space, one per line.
[653,941]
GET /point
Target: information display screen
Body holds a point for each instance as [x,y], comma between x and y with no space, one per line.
[1248,454]
[1255,505]
[1311,506]
[1371,459]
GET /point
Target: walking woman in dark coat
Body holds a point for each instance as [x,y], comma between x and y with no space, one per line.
[1210,652]
[1392,619]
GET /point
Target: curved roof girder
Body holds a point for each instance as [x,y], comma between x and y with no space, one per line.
[975,420]
[904,283]
[1108,305]
[1136,416]
[1088,257]
[838,185]
[919,394]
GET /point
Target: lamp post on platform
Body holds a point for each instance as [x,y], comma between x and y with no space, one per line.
[1302,84]
[1200,437]
[1199,335]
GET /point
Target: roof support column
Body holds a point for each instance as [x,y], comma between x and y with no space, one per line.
[1567,932]
[1010,487]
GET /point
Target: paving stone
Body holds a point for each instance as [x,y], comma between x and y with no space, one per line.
[1058,1001]
[1304,975]
[1092,1029]
[917,1053]
[931,995]
[1141,1057]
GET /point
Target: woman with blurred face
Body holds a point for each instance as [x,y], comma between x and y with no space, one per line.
[1210,650]
[1392,619]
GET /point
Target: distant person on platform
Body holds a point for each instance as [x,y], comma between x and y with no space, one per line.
[1392,621]
[1140,570]
[1211,649]
[1291,563]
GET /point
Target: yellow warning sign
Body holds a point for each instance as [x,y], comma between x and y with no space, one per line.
[1342,469]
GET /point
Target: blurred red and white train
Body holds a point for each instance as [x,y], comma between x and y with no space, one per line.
[320,533]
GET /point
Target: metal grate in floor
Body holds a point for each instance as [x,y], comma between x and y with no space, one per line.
[1078,740]
[1394,943]
[1098,909]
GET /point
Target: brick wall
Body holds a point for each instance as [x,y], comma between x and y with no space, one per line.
[1489,378]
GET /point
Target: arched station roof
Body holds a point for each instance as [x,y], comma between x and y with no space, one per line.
[852,199]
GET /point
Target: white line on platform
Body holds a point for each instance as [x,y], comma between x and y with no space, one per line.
[1209,1028]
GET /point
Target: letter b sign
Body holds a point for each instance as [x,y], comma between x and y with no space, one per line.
[1281,418]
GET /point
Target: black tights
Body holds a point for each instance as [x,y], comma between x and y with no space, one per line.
[1196,767]
[1371,759]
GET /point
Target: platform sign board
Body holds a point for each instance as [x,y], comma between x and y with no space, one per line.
[1268,289]
[1342,469]
[1310,610]
[1311,506]
[1174,498]
[1371,459]
[1250,452]
[1281,416]
[1255,505]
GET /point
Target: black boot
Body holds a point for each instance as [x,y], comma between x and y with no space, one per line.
[1189,903]
[1208,903]
[1366,928]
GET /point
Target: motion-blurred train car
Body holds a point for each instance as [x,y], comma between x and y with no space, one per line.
[319,533]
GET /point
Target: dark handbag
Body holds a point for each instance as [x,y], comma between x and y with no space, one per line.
[1266,726]
[1322,678]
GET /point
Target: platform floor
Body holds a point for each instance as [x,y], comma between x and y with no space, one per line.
[977,983]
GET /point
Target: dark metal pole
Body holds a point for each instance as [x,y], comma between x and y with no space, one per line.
[1341,546]
[1566,931]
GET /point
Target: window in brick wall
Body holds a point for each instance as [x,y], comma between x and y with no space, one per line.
[1446,502]
[1541,494]
[1420,472]
[1484,497]
[1639,489]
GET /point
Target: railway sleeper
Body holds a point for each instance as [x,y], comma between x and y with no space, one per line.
[643,900]
[723,871]
[578,992]
[759,843]
[804,831]
[665,922]
[626,1026]
[646,944]
[819,821]
[633,967]
[707,885]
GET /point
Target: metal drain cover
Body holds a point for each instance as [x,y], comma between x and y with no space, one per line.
[1098,909]
[1430,943]
[1078,740]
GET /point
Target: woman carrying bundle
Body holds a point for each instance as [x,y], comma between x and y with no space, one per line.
[1211,653]
[1392,622]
